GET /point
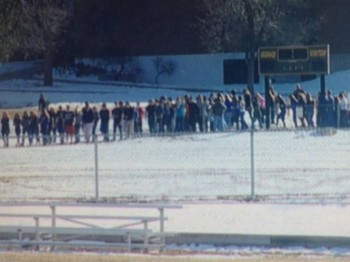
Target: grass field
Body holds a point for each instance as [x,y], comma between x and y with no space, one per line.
[55,257]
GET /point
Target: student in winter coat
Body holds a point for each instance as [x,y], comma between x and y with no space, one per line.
[25,126]
[282,112]
[310,110]
[257,114]
[159,112]
[247,97]
[52,125]
[193,115]
[42,103]
[229,111]
[235,110]
[139,120]
[60,123]
[180,112]
[293,106]
[242,110]
[218,110]
[128,120]
[271,102]
[88,121]
[151,116]
[69,124]
[168,116]
[104,127]
[117,114]
[17,123]
[44,122]
[33,128]
[203,113]
[262,104]
[95,122]
[77,124]
[5,128]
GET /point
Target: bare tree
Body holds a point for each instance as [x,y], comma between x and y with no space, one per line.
[34,28]
[244,25]
[163,67]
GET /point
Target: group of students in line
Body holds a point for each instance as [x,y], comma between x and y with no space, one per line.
[217,112]
[64,125]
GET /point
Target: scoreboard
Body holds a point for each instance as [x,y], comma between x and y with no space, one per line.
[294,60]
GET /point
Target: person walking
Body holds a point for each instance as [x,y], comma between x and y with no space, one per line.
[33,128]
[139,121]
[52,125]
[5,128]
[42,103]
[242,110]
[218,110]
[117,114]
[44,122]
[193,115]
[180,112]
[25,126]
[69,124]
[104,126]
[17,123]
[77,124]
[96,117]
[159,112]
[203,113]
[128,120]
[88,121]
[60,123]
[151,116]
[282,110]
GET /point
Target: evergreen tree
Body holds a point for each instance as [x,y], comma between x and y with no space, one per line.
[245,25]
[34,28]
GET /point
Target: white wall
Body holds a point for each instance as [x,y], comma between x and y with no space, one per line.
[196,71]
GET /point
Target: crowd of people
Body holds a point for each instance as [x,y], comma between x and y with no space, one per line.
[215,113]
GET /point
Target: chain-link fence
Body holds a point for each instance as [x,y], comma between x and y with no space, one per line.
[47,172]
[287,163]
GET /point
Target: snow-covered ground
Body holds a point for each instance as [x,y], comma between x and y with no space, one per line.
[250,252]
[298,162]
[295,166]
[201,166]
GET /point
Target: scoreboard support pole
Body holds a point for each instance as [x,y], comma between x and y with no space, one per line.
[321,101]
[267,102]
[323,85]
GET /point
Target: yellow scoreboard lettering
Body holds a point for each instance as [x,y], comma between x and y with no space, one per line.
[268,54]
[297,60]
[318,52]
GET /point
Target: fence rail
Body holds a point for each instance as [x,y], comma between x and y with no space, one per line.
[135,234]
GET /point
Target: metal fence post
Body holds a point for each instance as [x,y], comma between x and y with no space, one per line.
[53,225]
[252,166]
[96,170]
[162,234]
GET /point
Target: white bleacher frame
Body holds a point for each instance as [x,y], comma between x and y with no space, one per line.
[136,228]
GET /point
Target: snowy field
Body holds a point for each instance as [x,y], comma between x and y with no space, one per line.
[295,166]
[287,164]
[202,166]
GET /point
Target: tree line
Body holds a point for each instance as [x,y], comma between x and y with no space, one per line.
[60,30]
